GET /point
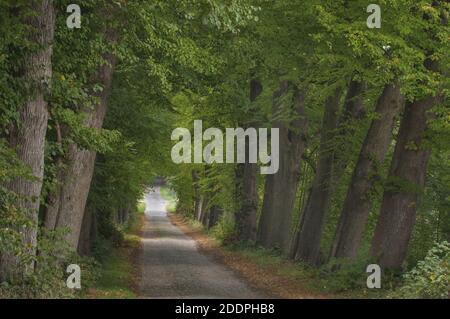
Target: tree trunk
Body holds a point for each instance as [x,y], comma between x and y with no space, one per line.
[313,218]
[79,167]
[407,176]
[126,214]
[197,202]
[28,139]
[85,242]
[52,200]
[200,199]
[214,216]
[246,176]
[204,210]
[357,204]
[199,208]
[354,110]
[281,188]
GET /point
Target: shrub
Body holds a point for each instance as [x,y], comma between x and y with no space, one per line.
[224,231]
[345,275]
[109,230]
[431,277]
[49,277]
[341,276]
[101,248]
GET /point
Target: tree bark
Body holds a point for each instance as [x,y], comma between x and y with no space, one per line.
[197,202]
[84,245]
[204,210]
[357,204]
[199,208]
[281,188]
[246,176]
[80,162]
[28,139]
[399,206]
[53,198]
[313,218]
[214,216]
[354,110]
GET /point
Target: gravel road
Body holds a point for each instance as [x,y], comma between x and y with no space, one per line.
[173,266]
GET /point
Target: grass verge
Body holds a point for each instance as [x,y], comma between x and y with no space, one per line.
[120,269]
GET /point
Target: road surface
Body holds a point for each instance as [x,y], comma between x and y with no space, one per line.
[173,266]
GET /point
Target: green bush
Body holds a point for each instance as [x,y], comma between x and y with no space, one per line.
[109,230]
[224,231]
[344,275]
[431,277]
[101,248]
[49,277]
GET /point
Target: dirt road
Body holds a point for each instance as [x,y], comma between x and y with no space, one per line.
[173,267]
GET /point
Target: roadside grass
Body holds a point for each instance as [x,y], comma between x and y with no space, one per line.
[116,277]
[315,280]
[170,196]
[194,224]
[302,278]
[119,268]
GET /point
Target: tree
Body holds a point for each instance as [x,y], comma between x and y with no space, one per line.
[313,218]
[67,202]
[27,138]
[80,164]
[281,188]
[409,164]
[357,203]
[246,177]
[406,180]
